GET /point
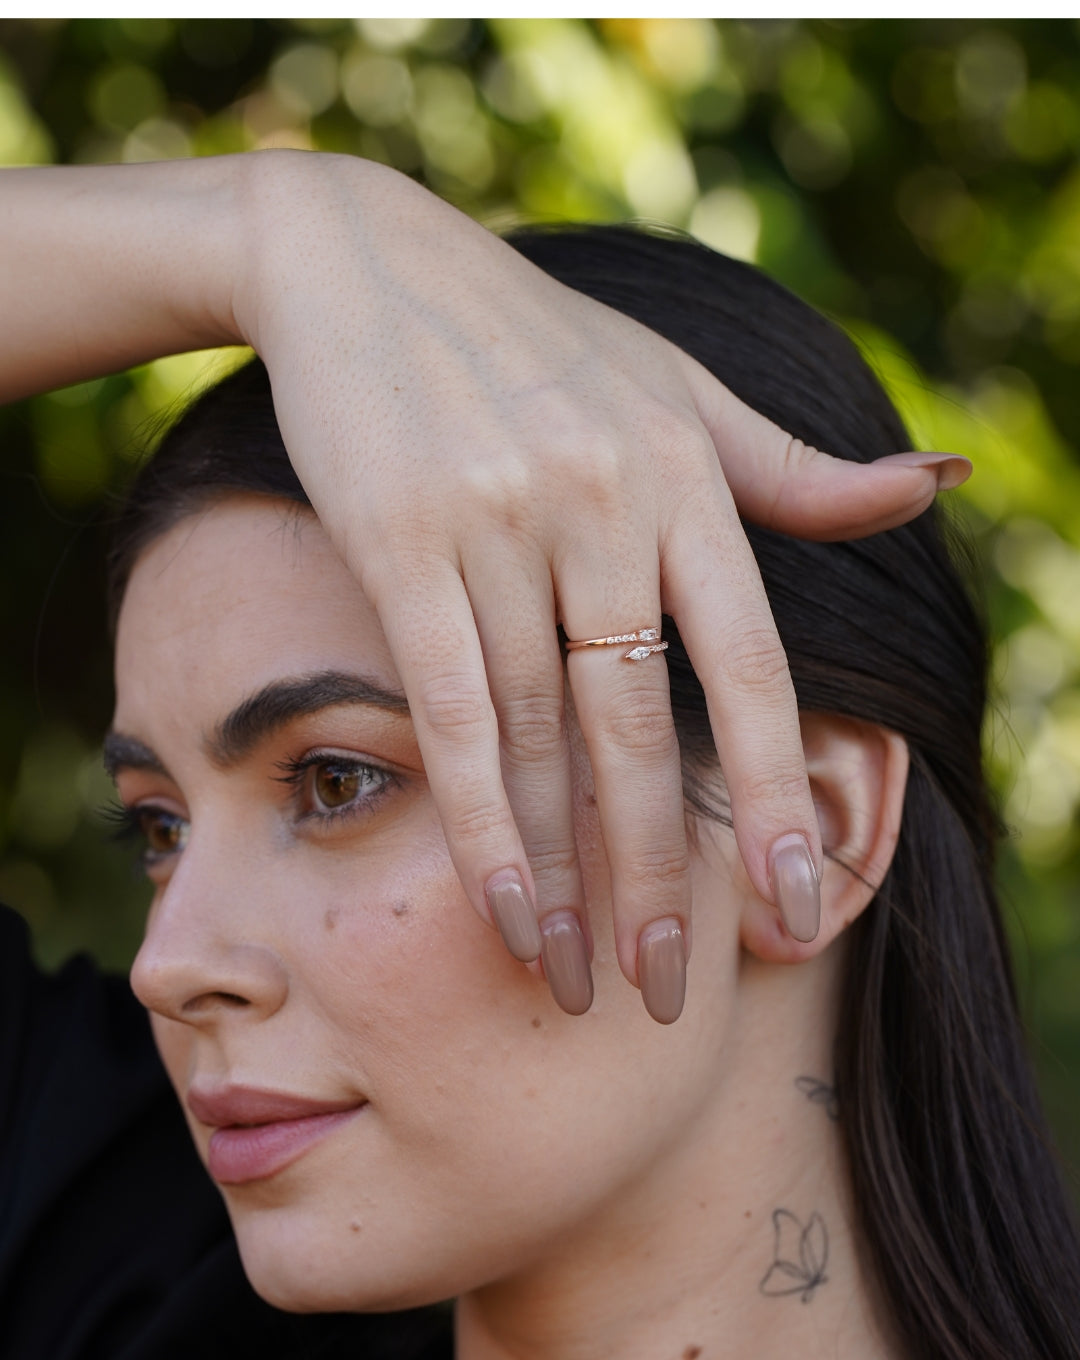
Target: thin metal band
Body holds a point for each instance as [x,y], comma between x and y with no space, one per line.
[650,637]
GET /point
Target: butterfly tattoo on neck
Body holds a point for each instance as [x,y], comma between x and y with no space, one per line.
[800,1255]
[820,1093]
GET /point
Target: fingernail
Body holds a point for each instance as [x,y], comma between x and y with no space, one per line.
[952,469]
[514,915]
[795,886]
[662,969]
[566,962]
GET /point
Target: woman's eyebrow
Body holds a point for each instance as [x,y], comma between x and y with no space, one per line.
[129,753]
[280,702]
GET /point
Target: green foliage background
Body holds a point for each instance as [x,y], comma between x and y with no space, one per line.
[919,180]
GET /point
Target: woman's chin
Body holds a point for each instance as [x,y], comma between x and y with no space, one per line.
[314,1274]
[281,1283]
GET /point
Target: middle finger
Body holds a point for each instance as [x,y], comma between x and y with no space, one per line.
[513,602]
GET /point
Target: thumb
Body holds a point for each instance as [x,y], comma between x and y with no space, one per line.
[781,483]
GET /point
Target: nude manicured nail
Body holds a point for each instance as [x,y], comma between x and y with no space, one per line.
[514,915]
[951,468]
[795,886]
[661,966]
[566,962]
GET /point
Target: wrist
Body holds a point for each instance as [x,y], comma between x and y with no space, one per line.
[301,218]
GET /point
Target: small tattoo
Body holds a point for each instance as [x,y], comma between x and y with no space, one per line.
[820,1093]
[800,1256]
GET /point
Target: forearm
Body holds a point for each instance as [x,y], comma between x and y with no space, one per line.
[102,267]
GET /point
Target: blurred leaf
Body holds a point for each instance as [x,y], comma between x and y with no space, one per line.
[919,179]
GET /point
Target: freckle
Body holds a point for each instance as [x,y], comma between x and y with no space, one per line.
[330,919]
[536,1022]
[748,1214]
[691,1353]
[701,1203]
[400,908]
[355,1226]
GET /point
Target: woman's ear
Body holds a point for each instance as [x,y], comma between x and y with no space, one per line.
[858,773]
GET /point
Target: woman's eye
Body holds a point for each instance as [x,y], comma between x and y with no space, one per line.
[165,832]
[159,834]
[329,786]
[336,786]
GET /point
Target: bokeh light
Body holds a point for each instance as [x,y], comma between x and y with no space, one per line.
[918,180]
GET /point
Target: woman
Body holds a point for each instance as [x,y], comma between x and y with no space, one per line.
[841,1158]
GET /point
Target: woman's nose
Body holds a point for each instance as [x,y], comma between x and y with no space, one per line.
[201,959]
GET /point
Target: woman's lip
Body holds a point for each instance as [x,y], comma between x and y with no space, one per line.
[258,1133]
[239,1153]
[224,1105]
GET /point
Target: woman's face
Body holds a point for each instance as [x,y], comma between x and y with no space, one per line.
[420,1117]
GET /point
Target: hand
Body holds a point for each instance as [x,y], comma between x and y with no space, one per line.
[493,454]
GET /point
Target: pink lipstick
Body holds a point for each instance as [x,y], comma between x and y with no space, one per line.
[259,1133]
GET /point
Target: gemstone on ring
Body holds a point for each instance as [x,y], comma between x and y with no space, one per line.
[649,636]
[640,653]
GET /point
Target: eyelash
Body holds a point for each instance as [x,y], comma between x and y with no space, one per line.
[134,823]
[131,824]
[299,773]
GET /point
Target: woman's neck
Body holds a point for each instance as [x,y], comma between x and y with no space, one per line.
[738,1244]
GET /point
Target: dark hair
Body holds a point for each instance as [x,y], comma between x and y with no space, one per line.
[958,1195]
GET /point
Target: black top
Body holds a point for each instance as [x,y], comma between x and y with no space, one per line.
[114,1243]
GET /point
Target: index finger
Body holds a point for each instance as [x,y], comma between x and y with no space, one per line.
[433,637]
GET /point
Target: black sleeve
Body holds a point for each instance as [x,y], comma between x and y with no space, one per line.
[114,1244]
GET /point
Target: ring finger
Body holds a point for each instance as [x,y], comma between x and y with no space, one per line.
[624,708]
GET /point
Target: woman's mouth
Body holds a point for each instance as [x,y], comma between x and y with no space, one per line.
[259,1133]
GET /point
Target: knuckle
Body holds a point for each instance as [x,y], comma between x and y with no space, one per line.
[685,441]
[478,822]
[667,866]
[597,476]
[773,784]
[551,860]
[532,729]
[456,711]
[755,660]
[641,726]
[798,455]
[499,489]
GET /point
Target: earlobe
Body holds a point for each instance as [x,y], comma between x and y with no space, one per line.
[858,774]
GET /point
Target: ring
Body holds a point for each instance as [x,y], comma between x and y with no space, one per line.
[650,637]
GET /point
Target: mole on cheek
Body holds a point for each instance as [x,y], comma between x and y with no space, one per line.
[330,920]
[400,908]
